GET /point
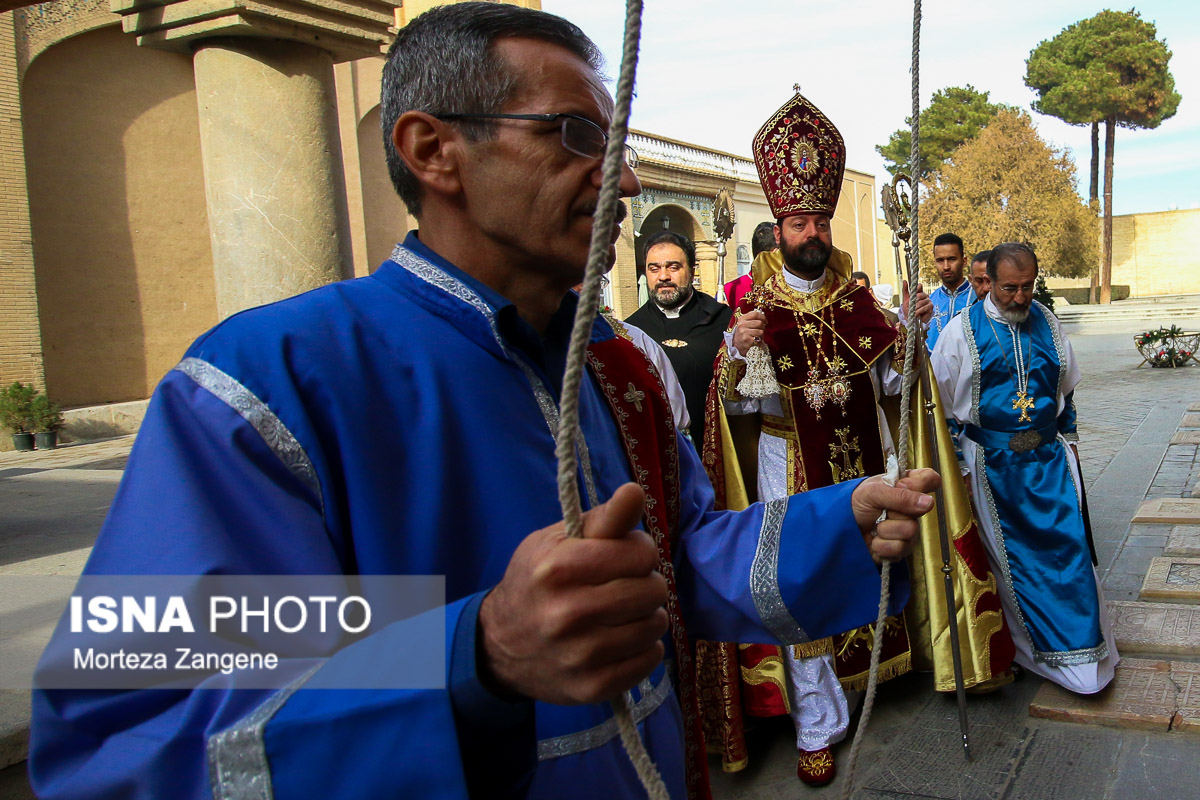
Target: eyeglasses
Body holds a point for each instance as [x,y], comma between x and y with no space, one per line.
[580,135]
[1010,288]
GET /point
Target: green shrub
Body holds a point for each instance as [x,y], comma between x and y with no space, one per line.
[46,415]
[16,407]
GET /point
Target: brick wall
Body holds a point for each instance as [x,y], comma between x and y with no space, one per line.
[20,335]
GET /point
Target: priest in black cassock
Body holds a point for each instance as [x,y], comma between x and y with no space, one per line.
[689,324]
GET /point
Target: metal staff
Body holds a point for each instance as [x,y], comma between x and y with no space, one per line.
[895,209]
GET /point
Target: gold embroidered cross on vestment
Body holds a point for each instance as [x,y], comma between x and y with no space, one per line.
[847,448]
[635,397]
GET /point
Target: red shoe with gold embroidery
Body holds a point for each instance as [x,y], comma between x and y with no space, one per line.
[816,768]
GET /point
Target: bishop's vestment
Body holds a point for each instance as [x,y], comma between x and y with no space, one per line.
[831,348]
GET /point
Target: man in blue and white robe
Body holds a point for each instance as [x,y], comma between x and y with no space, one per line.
[1007,375]
[954,293]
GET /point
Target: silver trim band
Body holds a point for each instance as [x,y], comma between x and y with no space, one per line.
[550,414]
[972,347]
[276,435]
[1072,658]
[1058,344]
[451,286]
[606,731]
[237,756]
[764,577]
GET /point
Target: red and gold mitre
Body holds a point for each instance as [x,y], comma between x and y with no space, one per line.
[801,158]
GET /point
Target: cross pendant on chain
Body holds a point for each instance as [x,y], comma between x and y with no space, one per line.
[1024,402]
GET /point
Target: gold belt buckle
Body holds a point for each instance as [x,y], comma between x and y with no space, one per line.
[1024,441]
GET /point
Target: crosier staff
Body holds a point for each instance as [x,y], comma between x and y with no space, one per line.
[896,207]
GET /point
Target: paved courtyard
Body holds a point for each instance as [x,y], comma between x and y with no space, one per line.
[52,504]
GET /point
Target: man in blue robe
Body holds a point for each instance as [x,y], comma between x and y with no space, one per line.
[1007,376]
[955,292]
[403,424]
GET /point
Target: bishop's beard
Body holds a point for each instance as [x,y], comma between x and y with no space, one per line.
[809,258]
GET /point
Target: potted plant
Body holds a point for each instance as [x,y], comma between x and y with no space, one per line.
[16,414]
[47,420]
[1167,347]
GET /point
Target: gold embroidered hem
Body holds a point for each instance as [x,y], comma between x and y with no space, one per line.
[818,647]
[892,668]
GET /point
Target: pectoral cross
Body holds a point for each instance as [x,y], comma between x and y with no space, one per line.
[847,448]
[635,397]
[1024,402]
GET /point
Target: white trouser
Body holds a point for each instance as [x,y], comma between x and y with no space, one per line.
[819,708]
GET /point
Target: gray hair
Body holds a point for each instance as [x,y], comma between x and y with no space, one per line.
[443,63]
[1014,253]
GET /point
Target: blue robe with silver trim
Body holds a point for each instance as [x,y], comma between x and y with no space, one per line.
[1030,494]
[947,305]
[393,425]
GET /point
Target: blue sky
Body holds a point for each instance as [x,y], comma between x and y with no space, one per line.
[711,71]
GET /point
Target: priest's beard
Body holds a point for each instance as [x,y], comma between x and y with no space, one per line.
[671,296]
[1014,313]
[807,260]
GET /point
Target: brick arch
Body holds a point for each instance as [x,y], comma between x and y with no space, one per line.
[40,27]
[681,221]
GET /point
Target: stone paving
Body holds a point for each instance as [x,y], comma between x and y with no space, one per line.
[1184,540]
[1162,628]
[1163,544]
[1147,695]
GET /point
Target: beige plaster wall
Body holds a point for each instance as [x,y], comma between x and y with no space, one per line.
[1154,254]
[385,218]
[408,9]
[853,220]
[124,270]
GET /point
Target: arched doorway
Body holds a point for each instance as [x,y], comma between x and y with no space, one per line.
[665,217]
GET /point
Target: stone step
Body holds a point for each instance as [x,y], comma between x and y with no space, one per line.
[1184,541]
[1169,510]
[1185,313]
[1190,420]
[1172,578]
[1158,628]
[1186,437]
[1194,407]
[1144,694]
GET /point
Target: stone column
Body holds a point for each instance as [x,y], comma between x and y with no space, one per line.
[268,132]
[272,169]
[624,272]
[706,267]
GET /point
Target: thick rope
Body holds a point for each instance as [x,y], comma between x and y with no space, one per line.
[910,351]
[585,315]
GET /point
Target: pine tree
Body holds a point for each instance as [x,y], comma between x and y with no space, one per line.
[955,115]
[1110,68]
